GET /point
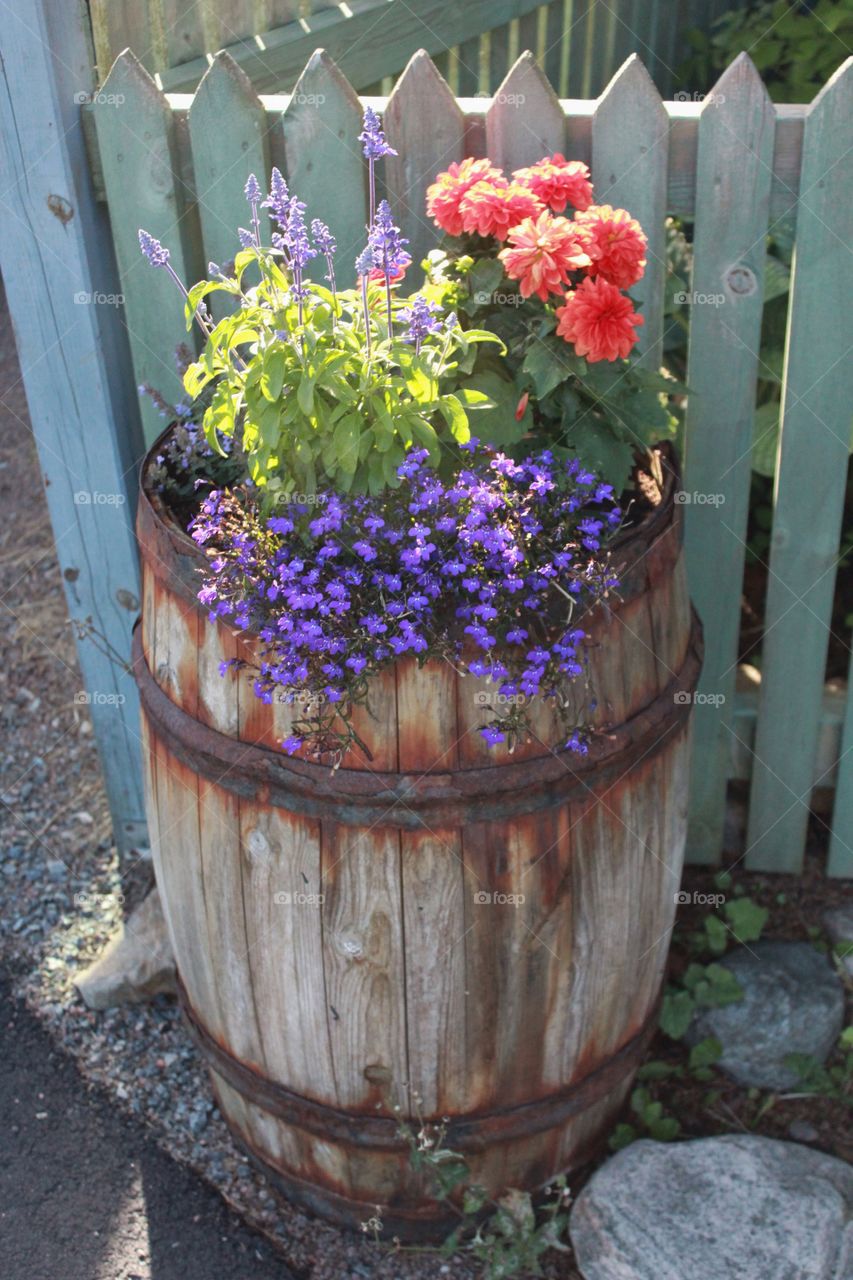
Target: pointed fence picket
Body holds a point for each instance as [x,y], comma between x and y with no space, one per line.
[176,164]
[810,487]
[733,168]
[630,137]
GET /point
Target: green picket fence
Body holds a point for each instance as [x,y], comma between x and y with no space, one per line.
[578,43]
[176,164]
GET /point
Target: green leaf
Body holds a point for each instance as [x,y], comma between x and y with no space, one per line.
[717,934]
[272,378]
[548,363]
[494,420]
[676,1013]
[723,986]
[305,395]
[664,1129]
[746,918]
[765,438]
[456,418]
[705,1053]
[622,1136]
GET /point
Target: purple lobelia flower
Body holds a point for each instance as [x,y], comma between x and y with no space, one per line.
[375,147]
[454,568]
[420,319]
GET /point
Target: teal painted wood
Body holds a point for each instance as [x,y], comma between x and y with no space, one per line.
[525,121]
[56,264]
[630,136]
[817,394]
[468,68]
[323,157]
[135,140]
[185,32]
[369,39]
[840,862]
[734,164]
[425,126]
[228,136]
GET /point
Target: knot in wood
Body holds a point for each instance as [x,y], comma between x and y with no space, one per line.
[258,847]
[741,279]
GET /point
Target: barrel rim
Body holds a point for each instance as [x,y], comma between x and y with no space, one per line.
[422,798]
[177,560]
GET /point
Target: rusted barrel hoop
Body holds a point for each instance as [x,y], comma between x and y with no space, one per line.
[474,1132]
[651,546]
[356,797]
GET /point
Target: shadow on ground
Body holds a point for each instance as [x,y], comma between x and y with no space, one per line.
[86,1195]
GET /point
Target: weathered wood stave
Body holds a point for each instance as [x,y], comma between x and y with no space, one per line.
[334,958]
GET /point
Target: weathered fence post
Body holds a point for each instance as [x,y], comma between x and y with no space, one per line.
[58,269]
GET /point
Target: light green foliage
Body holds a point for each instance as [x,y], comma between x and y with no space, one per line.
[832,1081]
[313,407]
[508,1236]
[651,1122]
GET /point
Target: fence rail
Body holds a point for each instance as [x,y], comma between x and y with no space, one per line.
[578,43]
[736,163]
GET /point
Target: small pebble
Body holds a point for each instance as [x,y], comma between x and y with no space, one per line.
[802,1131]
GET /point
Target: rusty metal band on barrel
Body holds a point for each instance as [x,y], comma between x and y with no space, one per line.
[356,797]
[466,1133]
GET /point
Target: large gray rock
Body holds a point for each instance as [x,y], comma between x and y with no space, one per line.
[793,1002]
[730,1208]
[136,964]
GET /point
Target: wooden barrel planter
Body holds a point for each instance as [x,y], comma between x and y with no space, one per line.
[465,933]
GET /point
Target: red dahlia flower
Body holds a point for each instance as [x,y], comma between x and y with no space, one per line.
[491,208]
[558,182]
[615,242]
[444,194]
[544,250]
[598,320]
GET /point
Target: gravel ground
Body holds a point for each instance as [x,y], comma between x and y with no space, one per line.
[64,888]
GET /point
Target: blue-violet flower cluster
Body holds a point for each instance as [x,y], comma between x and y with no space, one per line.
[492,569]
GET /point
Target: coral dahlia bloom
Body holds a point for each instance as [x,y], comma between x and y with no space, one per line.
[444,194]
[558,182]
[598,320]
[615,242]
[491,208]
[543,251]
